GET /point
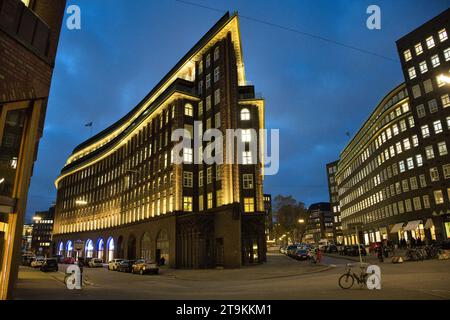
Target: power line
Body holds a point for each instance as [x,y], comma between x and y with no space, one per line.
[303,33]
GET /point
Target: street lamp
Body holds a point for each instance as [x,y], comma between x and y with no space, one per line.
[301,221]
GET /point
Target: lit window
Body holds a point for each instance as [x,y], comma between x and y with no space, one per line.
[209,200]
[410,163]
[407,55]
[446,170]
[437,126]
[216,96]
[208,60]
[217,120]
[187,155]
[187,179]
[188,110]
[430,42]
[216,74]
[415,140]
[434,174]
[200,67]
[425,131]
[208,103]
[442,147]
[200,178]
[429,152]
[401,165]
[440,81]
[245,114]
[249,205]
[445,99]
[406,144]
[423,67]
[246,135]
[435,61]
[412,73]
[448,122]
[246,157]
[247,181]
[442,35]
[447,54]
[438,197]
[187,203]
[209,175]
[200,202]
[208,80]
[418,48]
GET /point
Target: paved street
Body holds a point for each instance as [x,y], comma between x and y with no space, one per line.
[280,278]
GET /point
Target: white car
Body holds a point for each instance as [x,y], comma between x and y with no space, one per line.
[95,263]
[37,262]
[112,265]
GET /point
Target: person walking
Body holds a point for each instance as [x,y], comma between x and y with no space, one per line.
[380,252]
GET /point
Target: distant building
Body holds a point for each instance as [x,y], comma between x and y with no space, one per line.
[319,224]
[29,34]
[41,241]
[269,218]
[26,238]
[334,201]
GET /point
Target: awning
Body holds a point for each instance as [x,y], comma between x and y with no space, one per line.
[396,227]
[412,225]
[429,224]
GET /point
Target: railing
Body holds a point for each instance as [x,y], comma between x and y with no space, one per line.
[22,23]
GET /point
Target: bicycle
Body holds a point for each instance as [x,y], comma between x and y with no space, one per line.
[347,280]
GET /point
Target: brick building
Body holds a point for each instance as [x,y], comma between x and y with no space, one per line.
[29,33]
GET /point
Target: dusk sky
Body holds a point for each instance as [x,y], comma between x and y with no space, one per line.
[315,91]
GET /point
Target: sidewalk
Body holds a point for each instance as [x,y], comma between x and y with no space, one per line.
[370,258]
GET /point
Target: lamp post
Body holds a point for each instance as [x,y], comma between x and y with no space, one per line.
[301,221]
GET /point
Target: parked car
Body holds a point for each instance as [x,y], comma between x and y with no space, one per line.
[95,263]
[27,259]
[68,260]
[301,254]
[332,248]
[290,250]
[353,250]
[37,262]
[126,266]
[50,264]
[145,266]
[112,265]
[283,249]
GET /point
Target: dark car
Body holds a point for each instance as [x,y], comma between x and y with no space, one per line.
[332,248]
[50,264]
[301,254]
[353,250]
[290,250]
[126,266]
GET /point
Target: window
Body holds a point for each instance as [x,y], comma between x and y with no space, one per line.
[200,87]
[187,155]
[419,160]
[429,153]
[217,120]
[446,170]
[423,67]
[187,203]
[217,97]
[245,114]
[430,42]
[398,147]
[209,175]
[218,173]
[200,203]
[200,178]
[448,122]
[417,203]
[438,197]
[216,53]
[188,110]
[439,80]
[395,129]
[402,125]
[219,198]
[407,55]
[208,80]
[401,165]
[445,99]
[410,163]
[432,106]
[406,144]
[200,67]
[200,108]
[426,201]
[208,103]
[247,181]
[416,91]
[208,60]
[442,147]
[447,54]
[187,179]
[427,86]
[418,48]
[246,157]
[415,141]
[425,131]
[435,61]
[209,200]
[434,174]
[246,135]
[412,73]
[216,74]
[437,126]
[249,205]
[442,35]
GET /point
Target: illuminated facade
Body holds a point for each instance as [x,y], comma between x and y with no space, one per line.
[393,177]
[319,224]
[123,196]
[334,201]
[29,34]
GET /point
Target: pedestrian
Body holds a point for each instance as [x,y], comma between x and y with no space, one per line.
[380,252]
[319,255]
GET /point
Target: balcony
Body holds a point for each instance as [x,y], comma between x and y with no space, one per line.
[23,24]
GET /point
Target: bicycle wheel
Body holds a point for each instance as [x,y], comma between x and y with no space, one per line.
[346,281]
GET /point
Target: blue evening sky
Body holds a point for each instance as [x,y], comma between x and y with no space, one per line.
[315,91]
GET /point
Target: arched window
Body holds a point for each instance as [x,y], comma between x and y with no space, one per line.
[110,248]
[245,114]
[89,249]
[60,249]
[100,248]
[145,246]
[69,248]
